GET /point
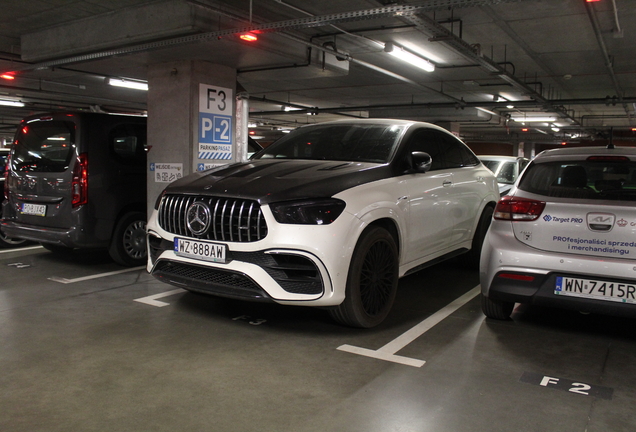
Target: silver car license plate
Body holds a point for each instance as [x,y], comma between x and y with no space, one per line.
[33,209]
[206,251]
[596,289]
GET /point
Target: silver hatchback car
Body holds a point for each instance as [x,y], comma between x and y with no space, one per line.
[565,236]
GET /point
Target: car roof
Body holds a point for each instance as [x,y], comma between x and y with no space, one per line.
[499,158]
[579,153]
[379,121]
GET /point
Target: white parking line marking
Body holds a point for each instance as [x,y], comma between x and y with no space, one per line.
[152,300]
[97,276]
[20,249]
[387,352]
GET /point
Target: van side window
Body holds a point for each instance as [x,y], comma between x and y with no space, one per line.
[127,144]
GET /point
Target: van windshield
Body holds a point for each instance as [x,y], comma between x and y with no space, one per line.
[43,146]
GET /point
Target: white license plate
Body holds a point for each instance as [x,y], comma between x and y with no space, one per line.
[33,209]
[206,251]
[596,289]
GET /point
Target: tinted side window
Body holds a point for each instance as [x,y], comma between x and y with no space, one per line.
[457,154]
[431,142]
[127,144]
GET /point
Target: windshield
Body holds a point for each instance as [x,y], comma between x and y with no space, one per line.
[341,142]
[491,164]
[602,179]
[43,146]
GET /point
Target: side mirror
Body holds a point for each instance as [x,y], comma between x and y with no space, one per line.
[421,161]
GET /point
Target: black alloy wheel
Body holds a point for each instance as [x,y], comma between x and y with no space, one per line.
[372,280]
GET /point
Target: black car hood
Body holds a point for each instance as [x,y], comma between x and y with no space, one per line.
[272,180]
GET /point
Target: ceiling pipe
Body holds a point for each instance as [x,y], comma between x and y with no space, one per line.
[606,57]
[493,105]
[448,39]
[278,26]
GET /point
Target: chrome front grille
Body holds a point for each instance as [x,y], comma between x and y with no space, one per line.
[230,219]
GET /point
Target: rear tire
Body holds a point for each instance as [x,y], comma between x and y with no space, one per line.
[474,255]
[496,309]
[128,245]
[372,281]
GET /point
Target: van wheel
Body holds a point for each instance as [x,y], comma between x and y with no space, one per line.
[372,281]
[128,245]
[9,242]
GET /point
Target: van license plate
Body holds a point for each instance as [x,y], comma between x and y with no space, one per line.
[33,209]
[206,251]
[596,289]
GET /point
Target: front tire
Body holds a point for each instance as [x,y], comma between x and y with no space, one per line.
[371,282]
[128,245]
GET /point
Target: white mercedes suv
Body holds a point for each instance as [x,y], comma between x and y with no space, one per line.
[330,215]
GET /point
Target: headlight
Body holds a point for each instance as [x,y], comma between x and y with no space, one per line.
[159,198]
[308,212]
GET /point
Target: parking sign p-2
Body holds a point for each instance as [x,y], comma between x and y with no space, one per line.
[216,106]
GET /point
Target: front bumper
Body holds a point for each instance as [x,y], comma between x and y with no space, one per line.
[293,264]
[514,272]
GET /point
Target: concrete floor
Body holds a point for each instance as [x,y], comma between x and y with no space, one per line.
[85,356]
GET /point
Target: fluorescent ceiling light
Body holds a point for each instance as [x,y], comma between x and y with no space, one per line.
[128,83]
[420,52]
[402,54]
[534,119]
[11,103]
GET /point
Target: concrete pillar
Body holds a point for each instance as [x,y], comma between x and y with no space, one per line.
[191,121]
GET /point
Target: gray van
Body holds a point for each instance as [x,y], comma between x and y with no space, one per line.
[78,181]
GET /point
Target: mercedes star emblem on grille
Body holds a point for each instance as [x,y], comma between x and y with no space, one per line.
[198,218]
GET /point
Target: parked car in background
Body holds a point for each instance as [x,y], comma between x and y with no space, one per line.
[78,181]
[506,169]
[565,236]
[6,241]
[330,215]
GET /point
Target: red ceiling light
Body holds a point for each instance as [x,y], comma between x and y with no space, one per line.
[592,1]
[524,130]
[249,37]
[7,76]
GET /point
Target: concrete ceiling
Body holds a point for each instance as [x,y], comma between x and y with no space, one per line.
[569,59]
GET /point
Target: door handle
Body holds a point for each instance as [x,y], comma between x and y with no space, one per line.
[447,183]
